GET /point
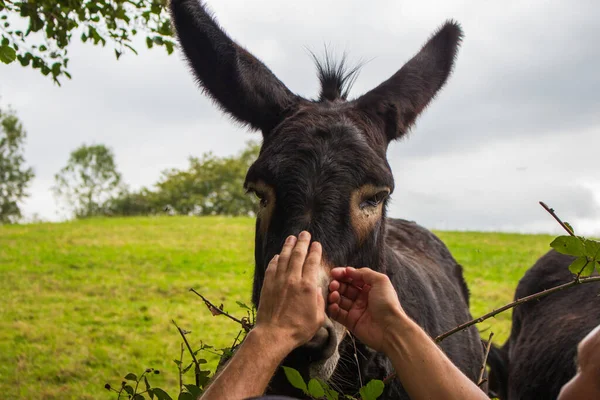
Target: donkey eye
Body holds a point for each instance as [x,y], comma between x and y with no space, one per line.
[374,201]
[260,196]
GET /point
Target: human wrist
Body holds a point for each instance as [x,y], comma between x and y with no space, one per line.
[278,342]
[399,327]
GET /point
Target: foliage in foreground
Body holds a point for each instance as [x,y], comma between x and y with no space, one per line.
[15,176]
[38,33]
[586,264]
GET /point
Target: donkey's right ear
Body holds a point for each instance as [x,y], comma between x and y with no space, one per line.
[241,84]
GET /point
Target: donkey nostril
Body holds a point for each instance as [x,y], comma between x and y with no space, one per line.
[319,340]
[323,344]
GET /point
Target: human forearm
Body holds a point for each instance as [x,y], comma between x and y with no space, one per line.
[423,369]
[248,373]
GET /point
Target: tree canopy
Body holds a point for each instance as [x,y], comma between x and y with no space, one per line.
[211,185]
[15,176]
[38,33]
[88,180]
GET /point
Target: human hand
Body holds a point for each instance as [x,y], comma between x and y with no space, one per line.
[365,302]
[291,307]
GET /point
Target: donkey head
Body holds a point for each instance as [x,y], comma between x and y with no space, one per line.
[322,165]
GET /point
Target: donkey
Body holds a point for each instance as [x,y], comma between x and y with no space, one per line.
[322,168]
[539,356]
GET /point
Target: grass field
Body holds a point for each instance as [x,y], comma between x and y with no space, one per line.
[83,303]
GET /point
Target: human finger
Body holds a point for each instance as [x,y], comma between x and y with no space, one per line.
[339,315]
[298,255]
[313,262]
[338,273]
[286,252]
[334,297]
[363,276]
[270,274]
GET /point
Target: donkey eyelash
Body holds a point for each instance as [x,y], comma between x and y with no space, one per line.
[375,200]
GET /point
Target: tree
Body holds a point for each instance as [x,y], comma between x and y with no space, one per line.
[51,24]
[210,186]
[14,175]
[88,180]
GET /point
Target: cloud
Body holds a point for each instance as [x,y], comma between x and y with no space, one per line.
[515,124]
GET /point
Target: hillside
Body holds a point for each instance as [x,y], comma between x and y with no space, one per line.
[86,302]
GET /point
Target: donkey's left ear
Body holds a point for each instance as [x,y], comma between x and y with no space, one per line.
[396,103]
[241,84]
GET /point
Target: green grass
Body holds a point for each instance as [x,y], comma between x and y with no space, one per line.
[83,303]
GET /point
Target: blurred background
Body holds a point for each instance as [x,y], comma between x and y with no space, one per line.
[517,123]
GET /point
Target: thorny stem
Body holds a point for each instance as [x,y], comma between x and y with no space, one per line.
[215,310]
[196,364]
[515,303]
[551,211]
[481,381]
[180,373]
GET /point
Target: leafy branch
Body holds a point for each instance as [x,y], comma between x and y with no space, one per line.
[587,252]
[38,33]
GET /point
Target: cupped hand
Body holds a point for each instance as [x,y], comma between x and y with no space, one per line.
[291,307]
[365,302]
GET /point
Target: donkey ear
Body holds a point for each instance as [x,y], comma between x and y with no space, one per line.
[241,84]
[397,102]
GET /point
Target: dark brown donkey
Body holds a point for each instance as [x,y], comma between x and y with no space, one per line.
[322,167]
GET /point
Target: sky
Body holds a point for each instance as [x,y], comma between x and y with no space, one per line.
[517,122]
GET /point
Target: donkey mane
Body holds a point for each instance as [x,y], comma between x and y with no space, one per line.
[336,77]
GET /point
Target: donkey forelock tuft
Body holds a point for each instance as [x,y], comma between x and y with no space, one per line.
[336,77]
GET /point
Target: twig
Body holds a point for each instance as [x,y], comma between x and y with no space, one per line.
[196,364]
[515,303]
[180,363]
[551,211]
[216,311]
[481,381]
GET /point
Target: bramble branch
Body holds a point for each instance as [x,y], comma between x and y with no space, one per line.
[539,295]
[196,364]
[481,381]
[217,311]
[551,211]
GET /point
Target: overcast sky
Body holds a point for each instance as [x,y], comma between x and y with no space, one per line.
[518,122]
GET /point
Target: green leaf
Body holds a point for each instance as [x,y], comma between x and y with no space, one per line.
[330,394]
[138,396]
[571,245]
[315,389]
[177,362]
[7,54]
[372,390]
[151,393]
[131,377]
[243,305]
[185,396]
[592,249]
[128,389]
[194,390]
[570,227]
[149,42]
[579,264]
[294,377]
[147,383]
[161,394]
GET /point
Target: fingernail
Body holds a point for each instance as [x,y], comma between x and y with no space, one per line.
[291,239]
[304,235]
[276,257]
